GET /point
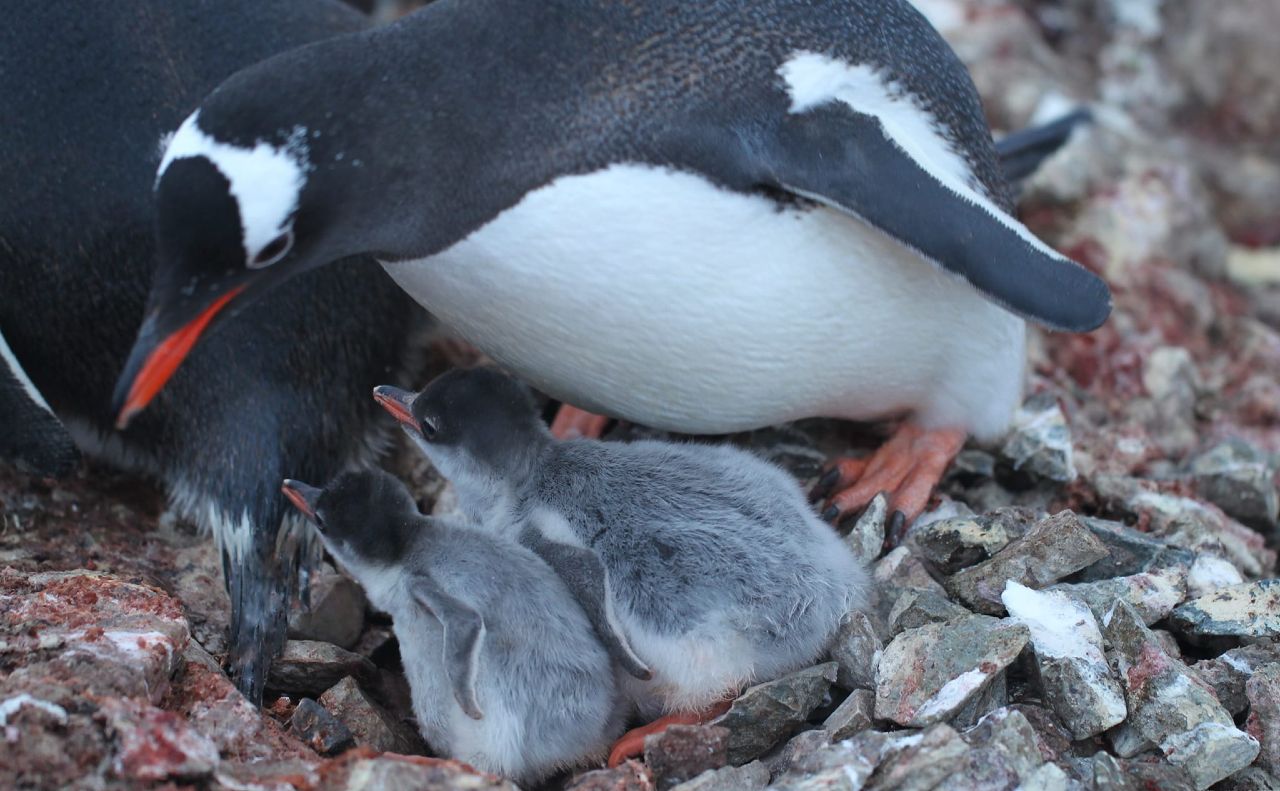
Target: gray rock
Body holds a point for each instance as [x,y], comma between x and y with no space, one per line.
[852,716]
[856,651]
[959,542]
[1251,778]
[915,608]
[866,537]
[336,614]
[1129,551]
[929,674]
[1113,774]
[682,752]
[920,763]
[1227,673]
[1210,573]
[370,724]
[307,667]
[320,730]
[1248,610]
[1048,777]
[1073,672]
[1263,691]
[1126,742]
[842,766]
[901,568]
[767,713]
[410,773]
[1238,478]
[797,749]
[1007,737]
[630,776]
[1169,707]
[1153,594]
[1188,523]
[1040,440]
[752,777]
[1052,549]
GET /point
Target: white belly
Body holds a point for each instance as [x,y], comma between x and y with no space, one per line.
[652,295]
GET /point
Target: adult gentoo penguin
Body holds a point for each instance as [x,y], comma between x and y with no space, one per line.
[704,216]
[89,90]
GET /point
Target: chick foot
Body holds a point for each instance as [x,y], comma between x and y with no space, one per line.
[631,745]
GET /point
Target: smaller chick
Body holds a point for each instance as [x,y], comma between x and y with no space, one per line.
[504,667]
[706,559]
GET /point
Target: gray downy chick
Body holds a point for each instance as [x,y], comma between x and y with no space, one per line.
[704,564]
[505,670]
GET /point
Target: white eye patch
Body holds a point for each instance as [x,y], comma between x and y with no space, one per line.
[266,181]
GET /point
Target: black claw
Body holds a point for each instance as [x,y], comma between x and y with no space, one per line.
[896,527]
[831,514]
[825,484]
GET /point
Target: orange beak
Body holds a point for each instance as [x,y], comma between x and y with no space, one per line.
[303,497]
[399,403]
[164,360]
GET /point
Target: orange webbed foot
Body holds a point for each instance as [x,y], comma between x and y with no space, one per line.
[907,467]
[631,745]
[572,423]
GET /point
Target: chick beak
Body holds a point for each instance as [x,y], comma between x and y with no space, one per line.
[303,496]
[399,403]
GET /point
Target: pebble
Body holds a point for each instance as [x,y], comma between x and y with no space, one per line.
[320,730]
[1073,671]
[767,713]
[1169,707]
[1238,478]
[682,752]
[1040,440]
[930,673]
[1263,692]
[1251,609]
[1153,594]
[856,651]
[854,715]
[1052,549]
[370,724]
[336,613]
[957,543]
[308,667]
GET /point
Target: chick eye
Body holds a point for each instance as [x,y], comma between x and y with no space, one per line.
[273,251]
[428,427]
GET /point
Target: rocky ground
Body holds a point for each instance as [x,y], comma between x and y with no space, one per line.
[1092,604]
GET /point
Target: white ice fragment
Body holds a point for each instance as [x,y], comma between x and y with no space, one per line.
[1060,626]
[953,693]
[11,706]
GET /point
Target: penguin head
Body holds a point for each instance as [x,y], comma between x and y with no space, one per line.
[475,422]
[364,518]
[260,184]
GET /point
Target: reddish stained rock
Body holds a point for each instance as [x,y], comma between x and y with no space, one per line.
[682,752]
[152,744]
[127,636]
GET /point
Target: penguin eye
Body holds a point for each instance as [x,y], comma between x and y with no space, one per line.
[273,251]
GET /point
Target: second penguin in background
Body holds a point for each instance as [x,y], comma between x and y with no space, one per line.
[505,670]
[703,564]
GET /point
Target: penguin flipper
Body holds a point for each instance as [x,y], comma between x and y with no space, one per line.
[31,435]
[586,577]
[463,635]
[1022,152]
[846,160]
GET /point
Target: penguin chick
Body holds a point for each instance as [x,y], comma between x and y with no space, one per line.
[505,672]
[707,559]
